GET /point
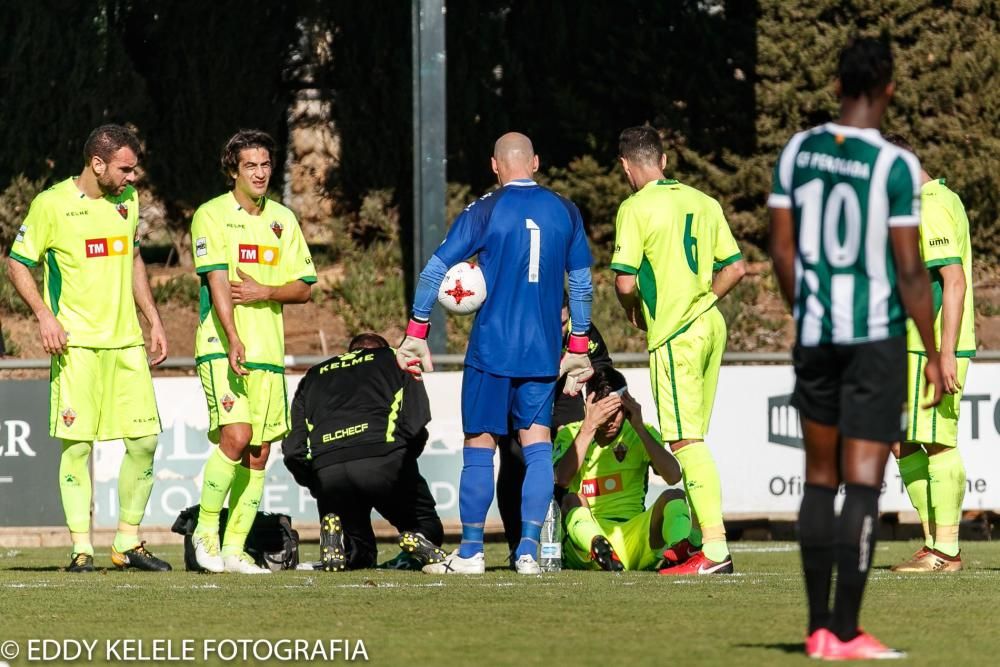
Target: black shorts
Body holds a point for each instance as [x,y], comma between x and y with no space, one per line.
[860,389]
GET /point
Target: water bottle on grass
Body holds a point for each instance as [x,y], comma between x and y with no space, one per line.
[551,541]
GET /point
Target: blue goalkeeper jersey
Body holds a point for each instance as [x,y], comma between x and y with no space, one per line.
[527,238]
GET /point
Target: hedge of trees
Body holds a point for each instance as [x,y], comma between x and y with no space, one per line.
[726,82]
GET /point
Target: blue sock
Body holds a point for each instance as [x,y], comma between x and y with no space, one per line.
[475,494]
[536,493]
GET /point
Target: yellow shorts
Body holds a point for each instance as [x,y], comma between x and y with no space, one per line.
[938,426]
[259,399]
[102,394]
[630,540]
[684,373]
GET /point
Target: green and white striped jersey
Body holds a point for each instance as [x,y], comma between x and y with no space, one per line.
[846,186]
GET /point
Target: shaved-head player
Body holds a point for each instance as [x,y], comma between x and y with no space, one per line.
[527,238]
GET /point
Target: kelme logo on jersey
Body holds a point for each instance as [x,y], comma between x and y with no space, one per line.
[258,254]
[114,245]
[277,228]
[601,486]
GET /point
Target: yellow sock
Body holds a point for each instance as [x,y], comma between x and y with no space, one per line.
[582,528]
[127,537]
[704,490]
[242,514]
[217,478]
[676,522]
[947,491]
[913,472]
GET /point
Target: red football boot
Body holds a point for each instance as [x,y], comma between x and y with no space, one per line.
[700,564]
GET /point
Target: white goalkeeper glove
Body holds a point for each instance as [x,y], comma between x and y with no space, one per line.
[576,364]
[413,355]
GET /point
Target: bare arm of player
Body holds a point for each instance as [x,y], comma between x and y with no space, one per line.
[728,277]
[782,251]
[952,304]
[53,335]
[222,302]
[915,291]
[250,291]
[144,299]
[628,296]
[664,463]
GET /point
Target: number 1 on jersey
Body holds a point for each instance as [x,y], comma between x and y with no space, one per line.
[534,249]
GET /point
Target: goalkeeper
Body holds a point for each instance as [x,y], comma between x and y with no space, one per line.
[602,468]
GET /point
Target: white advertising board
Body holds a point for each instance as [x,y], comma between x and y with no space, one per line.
[754,437]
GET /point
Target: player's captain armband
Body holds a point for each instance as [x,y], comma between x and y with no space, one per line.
[201,247]
[578,344]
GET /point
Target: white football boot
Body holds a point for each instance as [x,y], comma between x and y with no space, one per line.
[455,564]
[206,552]
[527,564]
[242,563]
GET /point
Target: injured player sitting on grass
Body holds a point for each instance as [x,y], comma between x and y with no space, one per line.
[601,470]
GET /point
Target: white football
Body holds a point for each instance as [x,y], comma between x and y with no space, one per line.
[463,290]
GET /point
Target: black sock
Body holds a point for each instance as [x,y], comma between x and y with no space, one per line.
[855,547]
[816,535]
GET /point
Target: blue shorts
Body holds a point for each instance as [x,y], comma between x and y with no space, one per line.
[490,402]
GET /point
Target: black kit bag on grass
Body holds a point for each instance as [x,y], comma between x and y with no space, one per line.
[272,542]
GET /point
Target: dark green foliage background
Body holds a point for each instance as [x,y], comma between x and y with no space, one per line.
[726,82]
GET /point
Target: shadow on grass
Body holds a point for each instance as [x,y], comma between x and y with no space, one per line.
[784,647]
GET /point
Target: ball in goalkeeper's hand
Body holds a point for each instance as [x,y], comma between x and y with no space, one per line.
[463,290]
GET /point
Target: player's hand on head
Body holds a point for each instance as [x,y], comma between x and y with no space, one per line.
[932,374]
[237,357]
[632,408]
[597,411]
[54,337]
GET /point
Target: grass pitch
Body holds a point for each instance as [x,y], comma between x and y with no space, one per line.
[755,617]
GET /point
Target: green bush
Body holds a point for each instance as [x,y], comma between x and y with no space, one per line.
[597,191]
[182,289]
[609,318]
[370,295]
[13,349]
[14,203]
[10,300]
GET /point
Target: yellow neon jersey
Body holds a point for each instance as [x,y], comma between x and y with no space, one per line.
[268,247]
[86,248]
[944,240]
[614,489]
[673,238]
